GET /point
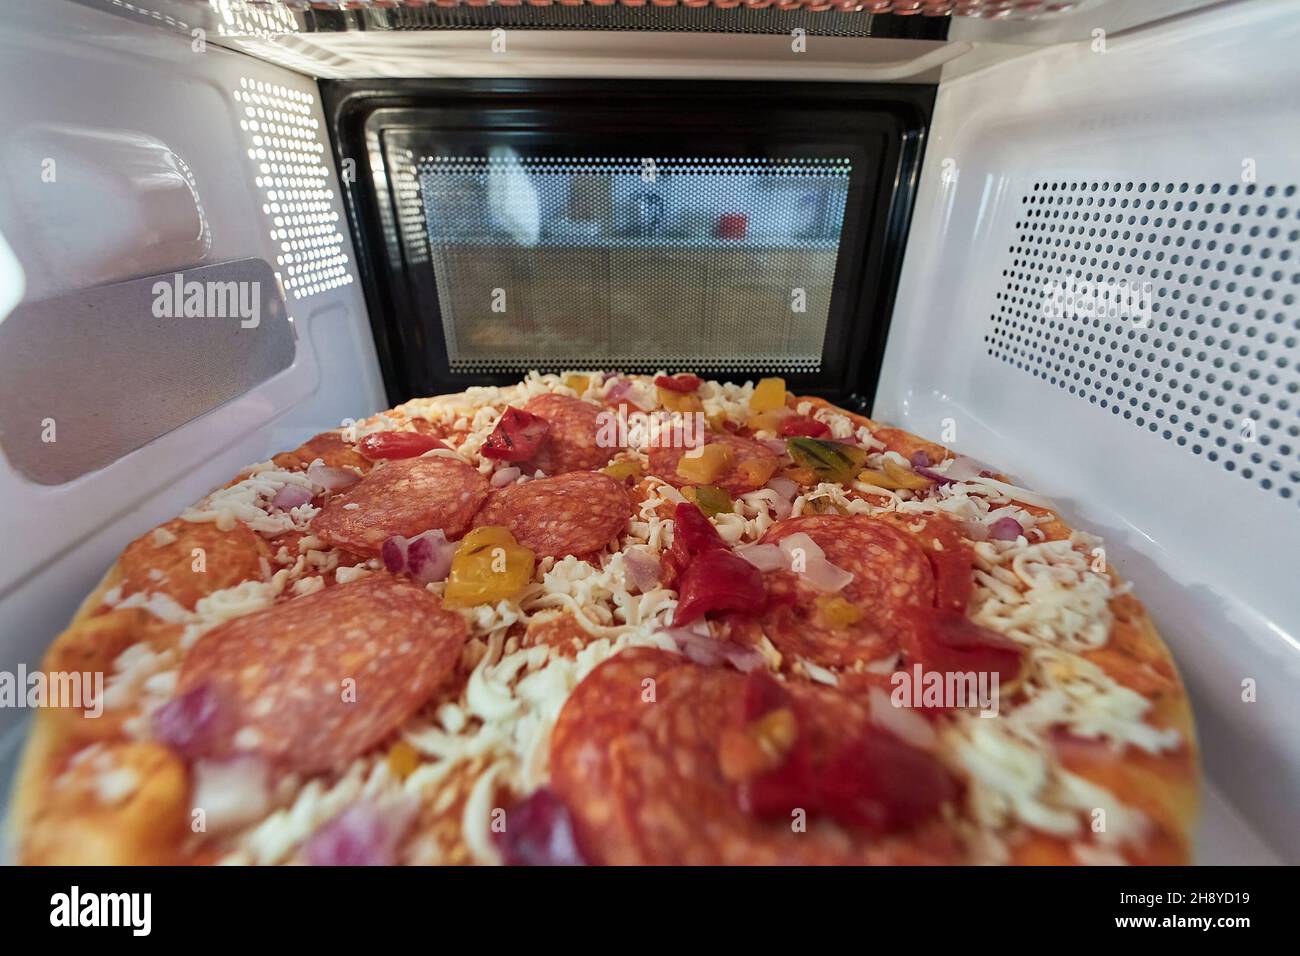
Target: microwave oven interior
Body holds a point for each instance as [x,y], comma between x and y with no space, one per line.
[871,199]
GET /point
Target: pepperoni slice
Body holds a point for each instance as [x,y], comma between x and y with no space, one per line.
[314,682]
[329,447]
[602,707]
[403,497]
[196,559]
[951,556]
[634,756]
[576,441]
[736,480]
[890,572]
[574,513]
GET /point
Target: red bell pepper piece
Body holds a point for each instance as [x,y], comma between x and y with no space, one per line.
[679,383]
[397,445]
[879,783]
[800,425]
[948,642]
[718,580]
[517,437]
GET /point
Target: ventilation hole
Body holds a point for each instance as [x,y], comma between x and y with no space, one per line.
[284,144]
[1080,275]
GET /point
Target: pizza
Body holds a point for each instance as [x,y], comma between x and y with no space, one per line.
[596,618]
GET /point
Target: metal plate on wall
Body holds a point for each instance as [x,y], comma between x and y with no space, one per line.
[88,377]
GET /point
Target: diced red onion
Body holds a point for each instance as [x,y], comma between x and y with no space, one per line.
[642,569]
[619,389]
[904,723]
[784,487]
[781,508]
[428,556]
[504,476]
[921,459]
[291,496]
[623,391]
[538,832]
[960,468]
[362,835]
[188,723]
[964,467]
[331,479]
[816,571]
[935,476]
[705,650]
[775,444]
[824,576]
[394,554]
[765,557]
[801,541]
[231,792]
[1005,529]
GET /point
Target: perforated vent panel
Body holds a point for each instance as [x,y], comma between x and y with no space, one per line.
[1169,304]
[287,152]
[715,264]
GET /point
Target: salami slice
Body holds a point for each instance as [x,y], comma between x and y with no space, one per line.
[738,479]
[890,571]
[951,556]
[329,447]
[188,560]
[576,441]
[314,682]
[574,513]
[637,764]
[403,497]
[603,707]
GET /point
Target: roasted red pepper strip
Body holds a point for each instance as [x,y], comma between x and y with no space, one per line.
[879,783]
[874,781]
[517,437]
[695,531]
[397,445]
[718,580]
[797,425]
[948,642]
[679,383]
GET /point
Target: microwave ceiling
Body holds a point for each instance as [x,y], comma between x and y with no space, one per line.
[832,40]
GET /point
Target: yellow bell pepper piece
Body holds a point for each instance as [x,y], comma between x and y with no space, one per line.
[701,466]
[578,383]
[769,393]
[769,421]
[757,471]
[623,470]
[489,566]
[402,759]
[800,475]
[833,611]
[679,401]
[894,477]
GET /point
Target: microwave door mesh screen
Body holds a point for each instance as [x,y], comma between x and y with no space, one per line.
[712,263]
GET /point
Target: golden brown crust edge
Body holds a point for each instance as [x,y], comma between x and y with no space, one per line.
[1166,787]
